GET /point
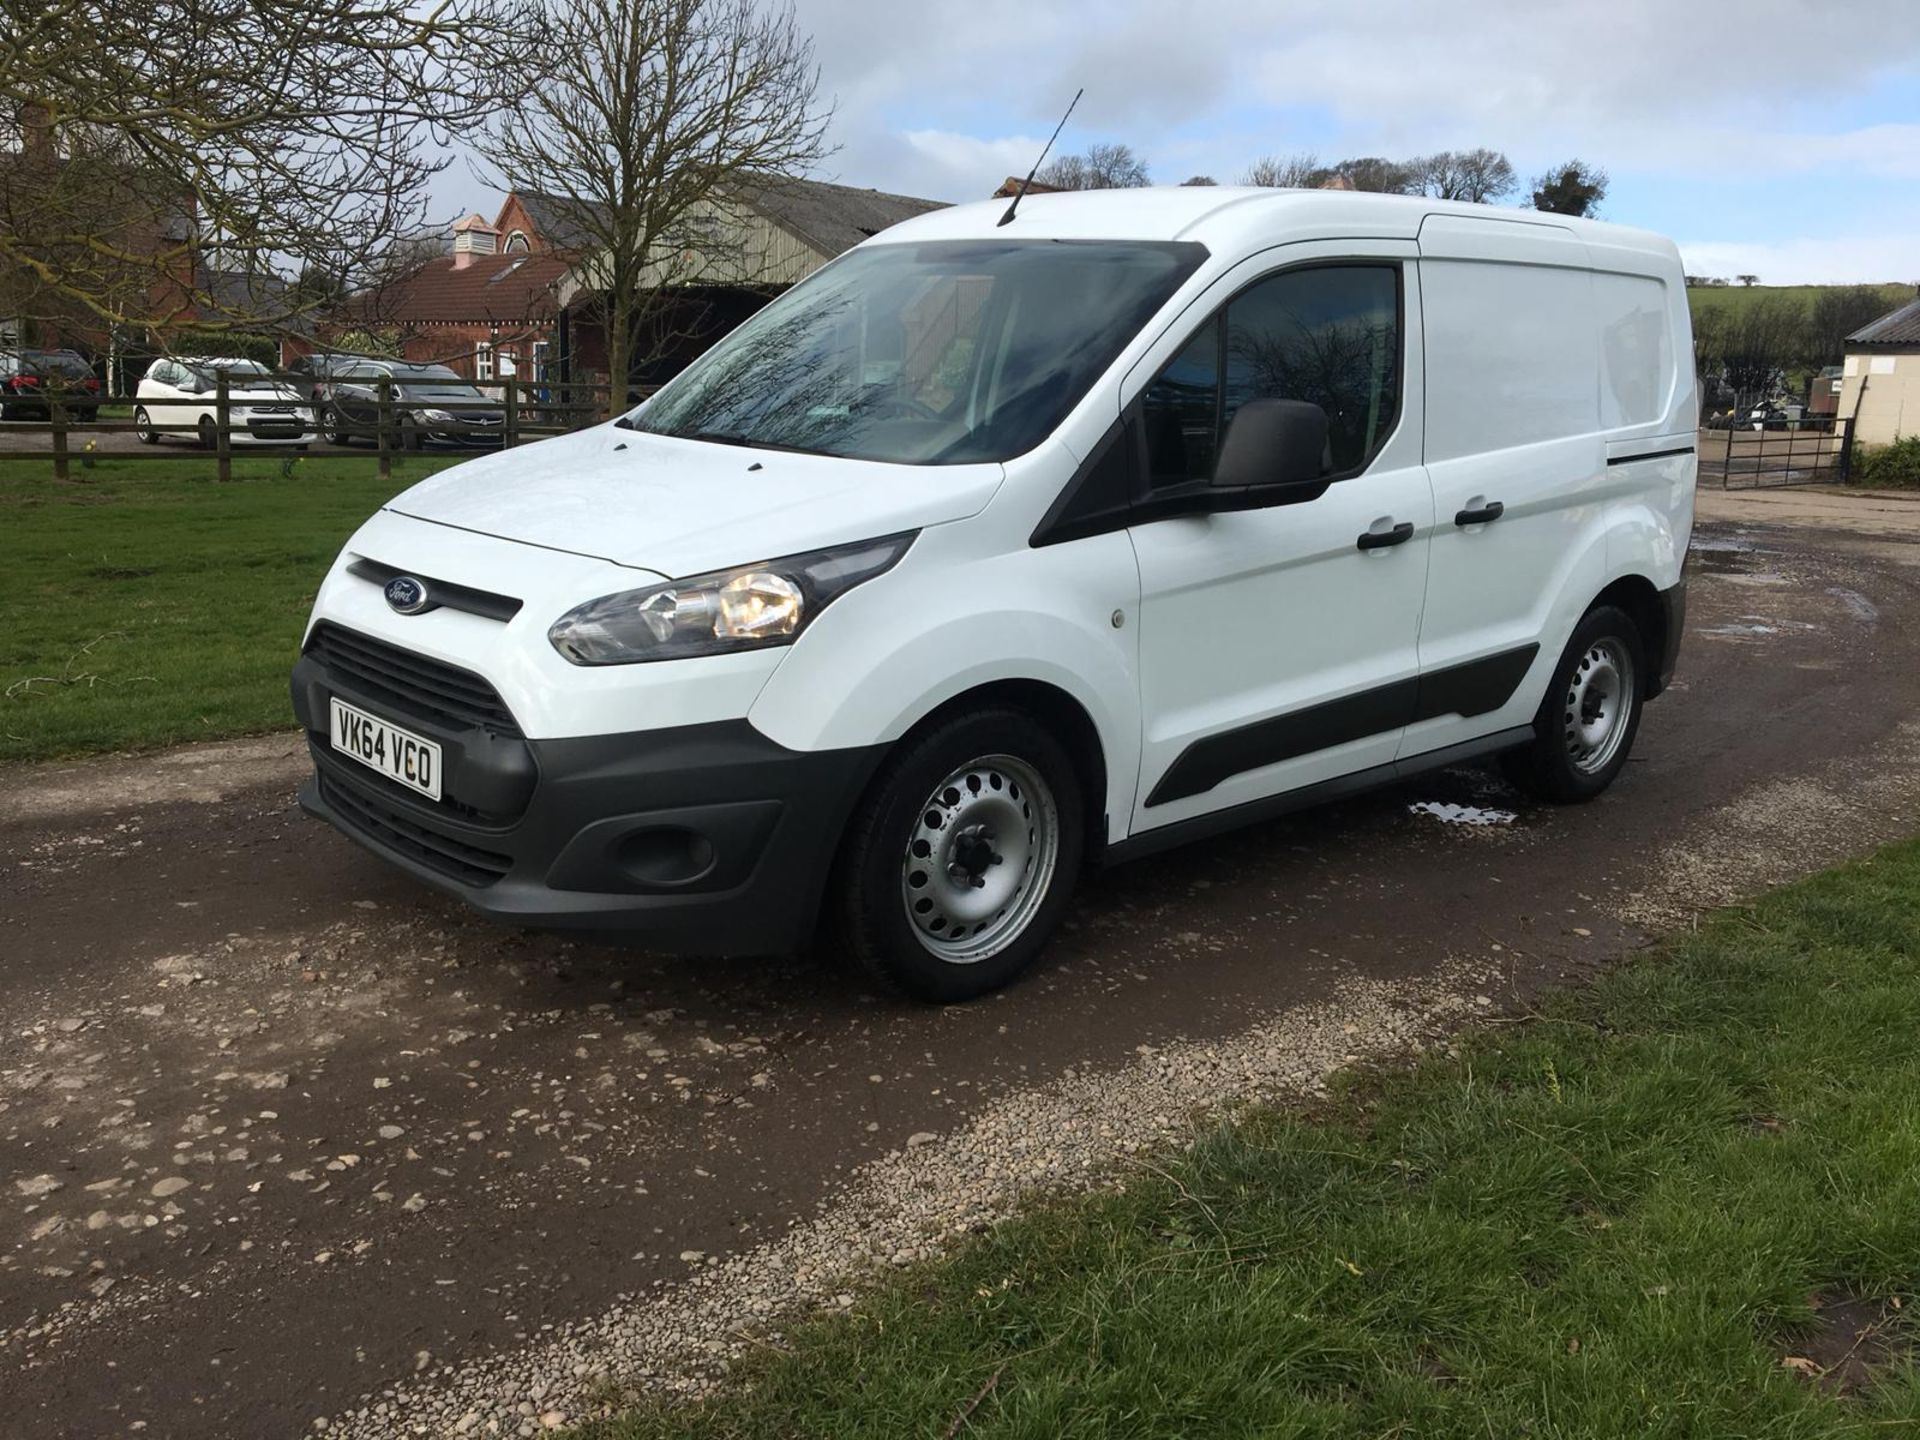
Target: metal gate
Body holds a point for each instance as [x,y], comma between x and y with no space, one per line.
[1746,458]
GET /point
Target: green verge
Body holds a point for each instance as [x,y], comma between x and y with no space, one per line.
[144,604]
[1617,1218]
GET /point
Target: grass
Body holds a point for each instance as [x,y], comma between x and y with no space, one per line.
[1732,297]
[1636,1214]
[143,604]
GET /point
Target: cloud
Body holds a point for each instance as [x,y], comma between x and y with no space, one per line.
[1634,84]
[1828,260]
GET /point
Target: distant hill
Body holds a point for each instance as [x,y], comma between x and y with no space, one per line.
[1719,297]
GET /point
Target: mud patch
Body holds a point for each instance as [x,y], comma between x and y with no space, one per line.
[1852,1341]
[201,774]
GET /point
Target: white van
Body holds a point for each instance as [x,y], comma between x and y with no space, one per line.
[996,550]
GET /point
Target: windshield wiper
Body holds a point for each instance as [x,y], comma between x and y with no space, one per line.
[626,422]
[729,437]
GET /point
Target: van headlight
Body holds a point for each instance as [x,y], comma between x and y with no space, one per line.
[726,610]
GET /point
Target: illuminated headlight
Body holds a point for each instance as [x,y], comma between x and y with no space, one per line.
[718,613]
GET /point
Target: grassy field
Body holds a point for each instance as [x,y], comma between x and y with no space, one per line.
[147,604]
[1683,1202]
[1723,297]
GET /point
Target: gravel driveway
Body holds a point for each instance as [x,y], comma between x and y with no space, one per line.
[287,1143]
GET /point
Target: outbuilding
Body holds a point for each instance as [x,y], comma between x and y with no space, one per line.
[1880,379]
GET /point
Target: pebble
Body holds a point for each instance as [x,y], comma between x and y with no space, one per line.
[172,1185]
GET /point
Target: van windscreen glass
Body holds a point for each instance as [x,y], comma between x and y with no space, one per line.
[935,354]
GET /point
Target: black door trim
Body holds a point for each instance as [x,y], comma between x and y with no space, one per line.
[1650,455]
[1271,807]
[1477,687]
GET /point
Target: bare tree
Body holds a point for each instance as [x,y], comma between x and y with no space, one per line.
[651,116]
[1478,176]
[1103,167]
[153,150]
[1572,188]
[1295,172]
[1748,279]
[1385,177]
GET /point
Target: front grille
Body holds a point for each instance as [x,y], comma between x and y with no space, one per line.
[411,683]
[394,828]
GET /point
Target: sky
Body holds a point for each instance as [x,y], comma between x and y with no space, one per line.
[1773,137]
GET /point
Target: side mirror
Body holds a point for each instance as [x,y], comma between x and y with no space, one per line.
[1272,442]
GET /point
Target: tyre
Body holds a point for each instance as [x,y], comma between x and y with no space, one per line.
[143,430]
[1585,727]
[209,437]
[961,859]
[333,428]
[410,438]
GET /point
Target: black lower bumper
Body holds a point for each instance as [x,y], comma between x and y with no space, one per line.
[710,839]
[1673,625]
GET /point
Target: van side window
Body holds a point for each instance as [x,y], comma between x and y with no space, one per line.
[1182,411]
[1329,334]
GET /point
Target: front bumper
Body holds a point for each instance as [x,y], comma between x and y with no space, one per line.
[704,838]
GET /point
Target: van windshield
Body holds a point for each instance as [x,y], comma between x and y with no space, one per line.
[934,354]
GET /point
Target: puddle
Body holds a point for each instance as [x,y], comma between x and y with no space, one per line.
[1461,814]
[1857,605]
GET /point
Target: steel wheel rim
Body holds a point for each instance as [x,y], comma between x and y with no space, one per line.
[980,859]
[1599,705]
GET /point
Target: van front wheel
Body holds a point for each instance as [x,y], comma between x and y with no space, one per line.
[1585,727]
[962,859]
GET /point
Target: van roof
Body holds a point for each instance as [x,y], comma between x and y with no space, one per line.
[1224,216]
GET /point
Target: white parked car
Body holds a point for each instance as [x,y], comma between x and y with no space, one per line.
[997,550]
[264,411]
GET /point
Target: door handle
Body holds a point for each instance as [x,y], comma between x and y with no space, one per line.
[1381,539]
[1486,514]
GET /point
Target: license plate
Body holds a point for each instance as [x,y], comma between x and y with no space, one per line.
[398,754]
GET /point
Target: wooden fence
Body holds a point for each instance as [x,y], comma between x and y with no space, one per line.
[391,420]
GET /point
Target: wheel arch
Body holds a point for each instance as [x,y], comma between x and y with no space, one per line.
[1640,598]
[1063,715]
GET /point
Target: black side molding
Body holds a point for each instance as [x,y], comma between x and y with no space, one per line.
[1181,832]
[1477,687]
[1650,455]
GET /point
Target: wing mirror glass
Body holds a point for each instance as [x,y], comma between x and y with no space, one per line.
[1273,442]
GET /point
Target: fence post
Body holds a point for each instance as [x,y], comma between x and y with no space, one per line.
[1846,450]
[385,438]
[510,429]
[57,416]
[222,421]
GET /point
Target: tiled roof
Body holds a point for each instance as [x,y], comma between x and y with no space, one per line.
[829,218]
[1902,327]
[503,288]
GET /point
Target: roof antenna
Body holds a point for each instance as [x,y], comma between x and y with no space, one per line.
[1021,193]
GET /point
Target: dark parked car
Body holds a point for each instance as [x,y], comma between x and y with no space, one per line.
[430,404]
[312,373]
[28,378]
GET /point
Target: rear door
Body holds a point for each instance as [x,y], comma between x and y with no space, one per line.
[1518,465]
[1278,647]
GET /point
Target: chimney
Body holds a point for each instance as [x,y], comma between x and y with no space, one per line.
[35,120]
[473,237]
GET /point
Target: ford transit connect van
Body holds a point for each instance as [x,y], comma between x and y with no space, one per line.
[993,551]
